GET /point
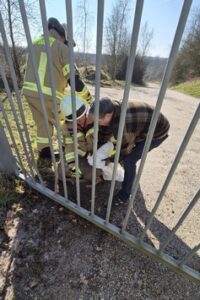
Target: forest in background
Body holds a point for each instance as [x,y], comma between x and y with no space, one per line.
[117,43]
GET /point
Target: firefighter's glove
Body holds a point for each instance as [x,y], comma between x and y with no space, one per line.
[110,158]
[75,171]
[89,98]
[111,153]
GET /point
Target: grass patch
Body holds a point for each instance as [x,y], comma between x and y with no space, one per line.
[11,190]
[191,88]
[28,117]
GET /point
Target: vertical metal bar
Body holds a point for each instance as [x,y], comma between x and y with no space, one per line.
[129,71]
[72,84]
[16,118]
[53,90]
[165,81]
[176,161]
[180,221]
[100,16]
[36,76]
[12,138]
[190,255]
[14,79]
[7,160]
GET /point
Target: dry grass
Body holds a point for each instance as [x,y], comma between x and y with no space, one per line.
[191,87]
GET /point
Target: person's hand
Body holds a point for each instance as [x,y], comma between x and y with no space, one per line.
[111,153]
[75,171]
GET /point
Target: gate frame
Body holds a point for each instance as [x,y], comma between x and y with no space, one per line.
[178,266]
[126,237]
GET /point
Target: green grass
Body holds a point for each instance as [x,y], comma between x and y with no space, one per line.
[11,190]
[191,87]
[29,121]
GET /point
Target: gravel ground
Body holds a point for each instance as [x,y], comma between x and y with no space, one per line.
[47,252]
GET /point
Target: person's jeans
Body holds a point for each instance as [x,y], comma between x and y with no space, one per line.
[130,165]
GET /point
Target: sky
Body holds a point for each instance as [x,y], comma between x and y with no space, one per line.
[162,17]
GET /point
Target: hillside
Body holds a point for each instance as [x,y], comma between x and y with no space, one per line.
[191,87]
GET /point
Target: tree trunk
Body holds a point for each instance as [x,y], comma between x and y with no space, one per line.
[14,51]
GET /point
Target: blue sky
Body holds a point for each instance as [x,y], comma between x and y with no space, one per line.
[162,16]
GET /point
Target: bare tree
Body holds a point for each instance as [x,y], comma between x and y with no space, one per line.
[141,62]
[145,39]
[14,29]
[82,28]
[117,34]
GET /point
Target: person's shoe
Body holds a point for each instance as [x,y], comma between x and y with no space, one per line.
[119,199]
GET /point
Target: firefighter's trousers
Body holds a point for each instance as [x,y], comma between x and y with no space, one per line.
[38,116]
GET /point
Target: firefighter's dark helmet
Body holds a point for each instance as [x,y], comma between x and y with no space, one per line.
[53,23]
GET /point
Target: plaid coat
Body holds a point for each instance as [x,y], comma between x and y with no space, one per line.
[137,122]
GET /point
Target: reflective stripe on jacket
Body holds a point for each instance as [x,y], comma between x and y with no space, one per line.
[60,62]
[84,141]
[61,70]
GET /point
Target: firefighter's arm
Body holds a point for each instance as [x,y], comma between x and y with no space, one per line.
[101,141]
[82,144]
[82,151]
[81,89]
[69,150]
[80,86]
[114,142]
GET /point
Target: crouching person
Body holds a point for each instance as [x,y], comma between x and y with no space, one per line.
[84,140]
[137,122]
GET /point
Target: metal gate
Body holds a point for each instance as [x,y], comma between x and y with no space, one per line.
[23,161]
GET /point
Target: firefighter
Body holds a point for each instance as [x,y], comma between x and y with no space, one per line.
[84,133]
[60,61]
[84,140]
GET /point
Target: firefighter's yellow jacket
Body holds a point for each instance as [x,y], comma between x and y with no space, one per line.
[84,141]
[61,69]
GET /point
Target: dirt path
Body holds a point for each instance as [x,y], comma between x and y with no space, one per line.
[179,109]
[53,254]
